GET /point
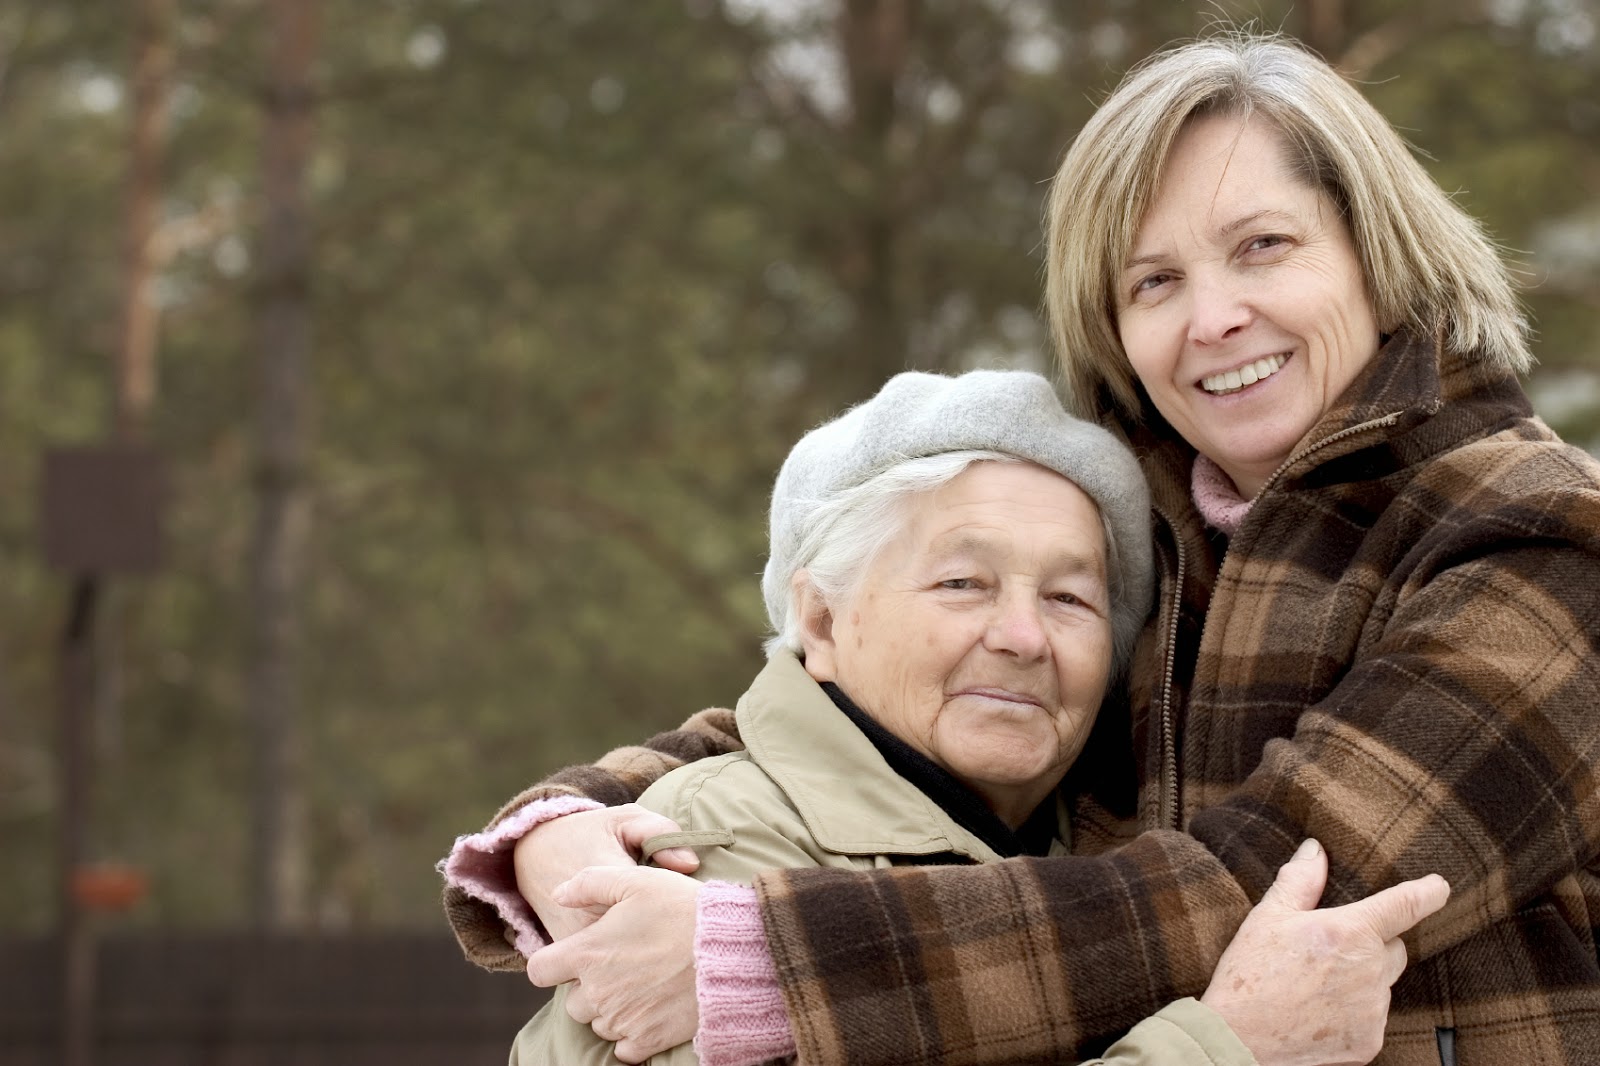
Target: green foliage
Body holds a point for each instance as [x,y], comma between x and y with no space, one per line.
[583,272]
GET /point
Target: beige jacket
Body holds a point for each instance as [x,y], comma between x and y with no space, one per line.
[783,803]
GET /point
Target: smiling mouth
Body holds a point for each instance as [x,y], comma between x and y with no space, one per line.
[1003,696]
[1233,380]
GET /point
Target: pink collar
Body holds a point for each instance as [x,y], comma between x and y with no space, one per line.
[1218,501]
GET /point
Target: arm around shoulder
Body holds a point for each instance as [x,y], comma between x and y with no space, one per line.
[493,924]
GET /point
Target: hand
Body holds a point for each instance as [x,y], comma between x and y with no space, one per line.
[1307,987]
[551,852]
[634,966]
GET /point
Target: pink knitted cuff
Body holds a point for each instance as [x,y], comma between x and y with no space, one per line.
[481,865]
[1216,497]
[743,1021]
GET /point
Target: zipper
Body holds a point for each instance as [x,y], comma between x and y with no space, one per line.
[1446,1040]
[1349,431]
[1168,807]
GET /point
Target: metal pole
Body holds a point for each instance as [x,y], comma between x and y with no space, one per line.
[77,928]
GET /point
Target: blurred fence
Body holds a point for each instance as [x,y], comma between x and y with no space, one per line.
[242,1000]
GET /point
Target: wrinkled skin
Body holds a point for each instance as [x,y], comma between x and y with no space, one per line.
[635,971]
[1307,987]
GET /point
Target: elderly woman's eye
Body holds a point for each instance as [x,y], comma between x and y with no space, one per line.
[959,583]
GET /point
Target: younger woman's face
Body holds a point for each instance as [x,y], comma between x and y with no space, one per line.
[1242,307]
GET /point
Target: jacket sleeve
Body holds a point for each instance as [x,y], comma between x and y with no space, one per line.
[1185,1033]
[620,776]
[552,1037]
[1463,741]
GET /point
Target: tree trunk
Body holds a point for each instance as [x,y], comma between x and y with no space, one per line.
[136,342]
[1326,28]
[279,867]
[875,39]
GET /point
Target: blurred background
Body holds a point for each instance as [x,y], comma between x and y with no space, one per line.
[390,391]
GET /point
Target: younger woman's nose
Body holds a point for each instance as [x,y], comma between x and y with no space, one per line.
[1217,308]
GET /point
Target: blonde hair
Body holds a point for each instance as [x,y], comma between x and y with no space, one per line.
[1427,263]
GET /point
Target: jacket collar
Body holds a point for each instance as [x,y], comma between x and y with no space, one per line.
[852,801]
[1395,398]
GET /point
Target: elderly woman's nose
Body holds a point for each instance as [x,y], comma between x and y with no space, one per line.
[1217,308]
[1017,628]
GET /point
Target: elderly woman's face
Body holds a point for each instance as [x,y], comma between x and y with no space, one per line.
[981,635]
[1242,307]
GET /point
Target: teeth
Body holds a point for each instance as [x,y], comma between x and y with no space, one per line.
[1234,380]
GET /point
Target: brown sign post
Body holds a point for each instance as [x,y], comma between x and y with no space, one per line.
[100,511]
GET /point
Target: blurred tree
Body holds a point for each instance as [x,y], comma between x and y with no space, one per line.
[584,269]
[278,870]
[135,380]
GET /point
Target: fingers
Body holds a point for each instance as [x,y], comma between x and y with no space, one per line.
[1394,960]
[579,1006]
[583,1011]
[605,1030]
[630,1050]
[679,860]
[1397,908]
[549,966]
[596,886]
[1300,881]
[634,825]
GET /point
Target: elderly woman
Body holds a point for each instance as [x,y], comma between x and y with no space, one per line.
[957,569]
[1378,609]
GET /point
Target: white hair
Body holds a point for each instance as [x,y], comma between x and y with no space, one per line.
[847,532]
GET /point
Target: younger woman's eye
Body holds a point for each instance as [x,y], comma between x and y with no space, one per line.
[1150,283]
[1266,242]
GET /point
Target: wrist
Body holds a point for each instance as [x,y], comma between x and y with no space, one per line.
[483,866]
[743,1020]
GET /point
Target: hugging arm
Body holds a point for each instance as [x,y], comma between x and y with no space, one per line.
[1464,744]
[493,922]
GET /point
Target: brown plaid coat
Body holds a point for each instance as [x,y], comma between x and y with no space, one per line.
[1396,654]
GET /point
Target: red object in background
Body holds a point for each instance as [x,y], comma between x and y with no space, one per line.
[109,886]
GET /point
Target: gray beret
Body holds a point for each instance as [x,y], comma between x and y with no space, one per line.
[1008,411]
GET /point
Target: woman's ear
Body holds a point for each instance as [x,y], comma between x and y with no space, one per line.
[816,628]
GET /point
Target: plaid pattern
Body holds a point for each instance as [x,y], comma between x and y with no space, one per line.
[1396,655]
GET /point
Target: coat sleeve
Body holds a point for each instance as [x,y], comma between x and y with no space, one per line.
[621,776]
[552,1037]
[728,795]
[1464,741]
[1185,1033]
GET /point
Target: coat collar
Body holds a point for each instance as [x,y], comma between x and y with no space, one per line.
[850,800]
[1396,398]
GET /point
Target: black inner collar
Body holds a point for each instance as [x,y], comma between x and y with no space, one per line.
[965,807]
